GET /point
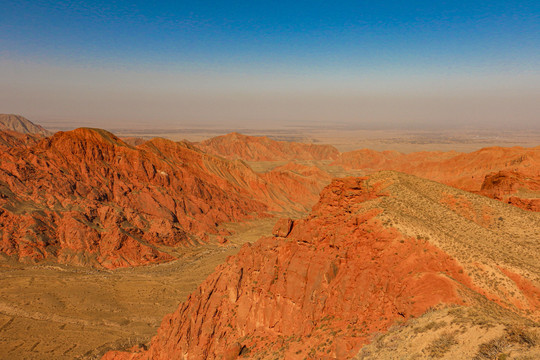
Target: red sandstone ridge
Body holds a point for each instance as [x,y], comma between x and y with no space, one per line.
[514,188]
[323,285]
[465,171]
[87,197]
[261,148]
[296,187]
[133,141]
[9,139]
[290,188]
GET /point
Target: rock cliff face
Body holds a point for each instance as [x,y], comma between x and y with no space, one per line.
[9,139]
[514,188]
[321,286]
[465,171]
[261,148]
[22,125]
[86,197]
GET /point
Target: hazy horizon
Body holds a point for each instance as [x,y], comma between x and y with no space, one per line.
[426,65]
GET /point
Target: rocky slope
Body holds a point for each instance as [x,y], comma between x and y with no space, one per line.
[261,148]
[465,171]
[22,125]
[299,186]
[9,139]
[374,252]
[513,188]
[479,333]
[86,197]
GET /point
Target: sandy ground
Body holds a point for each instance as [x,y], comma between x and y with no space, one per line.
[62,312]
[479,333]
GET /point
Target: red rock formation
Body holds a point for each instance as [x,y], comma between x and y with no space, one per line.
[315,290]
[525,204]
[284,189]
[465,171]
[9,139]
[133,141]
[283,227]
[87,197]
[506,185]
[261,148]
[294,186]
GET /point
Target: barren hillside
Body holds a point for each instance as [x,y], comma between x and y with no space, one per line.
[374,252]
[86,197]
[21,124]
[261,148]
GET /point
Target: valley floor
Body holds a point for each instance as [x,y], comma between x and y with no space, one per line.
[61,312]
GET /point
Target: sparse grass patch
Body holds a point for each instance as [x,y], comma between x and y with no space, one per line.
[495,349]
[471,317]
[522,336]
[491,349]
[441,345]
[430,327]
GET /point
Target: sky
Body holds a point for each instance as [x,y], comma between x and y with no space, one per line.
[271,64]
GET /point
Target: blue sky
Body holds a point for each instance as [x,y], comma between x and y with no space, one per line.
[308,49]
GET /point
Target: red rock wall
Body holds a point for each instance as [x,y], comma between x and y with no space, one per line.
[505,185]
[85,197]
[320,292]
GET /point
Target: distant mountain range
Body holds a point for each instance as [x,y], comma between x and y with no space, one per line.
[21,124]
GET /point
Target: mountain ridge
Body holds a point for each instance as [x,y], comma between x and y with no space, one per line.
[360,262]
[22,125]
[87,197]
[262,148]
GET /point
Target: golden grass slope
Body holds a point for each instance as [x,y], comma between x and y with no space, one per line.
[497,244]
[457,332]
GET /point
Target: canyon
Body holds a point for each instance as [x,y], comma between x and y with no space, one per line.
[266,249]
[365,258]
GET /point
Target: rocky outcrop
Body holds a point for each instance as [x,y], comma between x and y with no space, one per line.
[283,227]
[21,125]
[261,148]
[86,197]
[9,139]
[465,171]
[514,188]
[322,285]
